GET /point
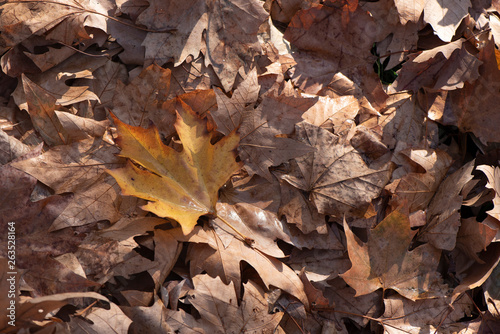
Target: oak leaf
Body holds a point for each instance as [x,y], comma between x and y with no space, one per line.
[384,262]
[179,185]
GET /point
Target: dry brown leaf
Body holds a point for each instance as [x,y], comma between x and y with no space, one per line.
[473,237]
[41,108]
[385,262]
[430,315]
[263,227]
[345,301]
[335,175]
[79,168]
[443,15]
[34,310]
[225,262]
[476,274]
[11,148]
[405,124]
[24,19]
[218,306]
[320,265]
[55,81]
[472,109]
[144,96]
[323,54]
[255,190]
[299,211]
[417,189]
[443,68]
[493,175]
[231,34]
[443,218]
[112,321]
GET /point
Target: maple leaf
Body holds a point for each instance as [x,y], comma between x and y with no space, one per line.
[384,262]
[335,174]
[179,185]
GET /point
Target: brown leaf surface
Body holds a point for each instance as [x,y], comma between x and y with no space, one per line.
[405,316]
[443,218]
[323,54]
[417,189]
[493,175]
[79,168]
[385,262]
[444,25]
[231,33]
[335,175]
[217,304]
[224,261]
[442,68]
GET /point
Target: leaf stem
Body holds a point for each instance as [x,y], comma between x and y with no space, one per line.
[247,240]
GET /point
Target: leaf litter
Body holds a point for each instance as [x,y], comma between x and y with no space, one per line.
[238,166]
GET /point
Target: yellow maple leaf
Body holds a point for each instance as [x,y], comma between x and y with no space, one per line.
[179,185]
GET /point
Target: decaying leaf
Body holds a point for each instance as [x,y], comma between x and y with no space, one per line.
[217,305]
[179,185]
[335,174]
[385,262]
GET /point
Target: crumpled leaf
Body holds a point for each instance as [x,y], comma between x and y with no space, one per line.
[263,144]
[41,107]
[218,305]
[493,175]
[417,189]
[473,108]
[32,220]
[21,19]
[179,185]
[324,57]
[147,92]
[55,81]
[385,262]
[231,33]
[101,320]
[473,237]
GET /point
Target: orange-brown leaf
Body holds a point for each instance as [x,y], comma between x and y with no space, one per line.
[179,185]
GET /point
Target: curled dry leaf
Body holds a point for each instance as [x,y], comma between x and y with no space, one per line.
[417,189]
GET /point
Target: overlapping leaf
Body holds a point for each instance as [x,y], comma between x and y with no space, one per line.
[180,185]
